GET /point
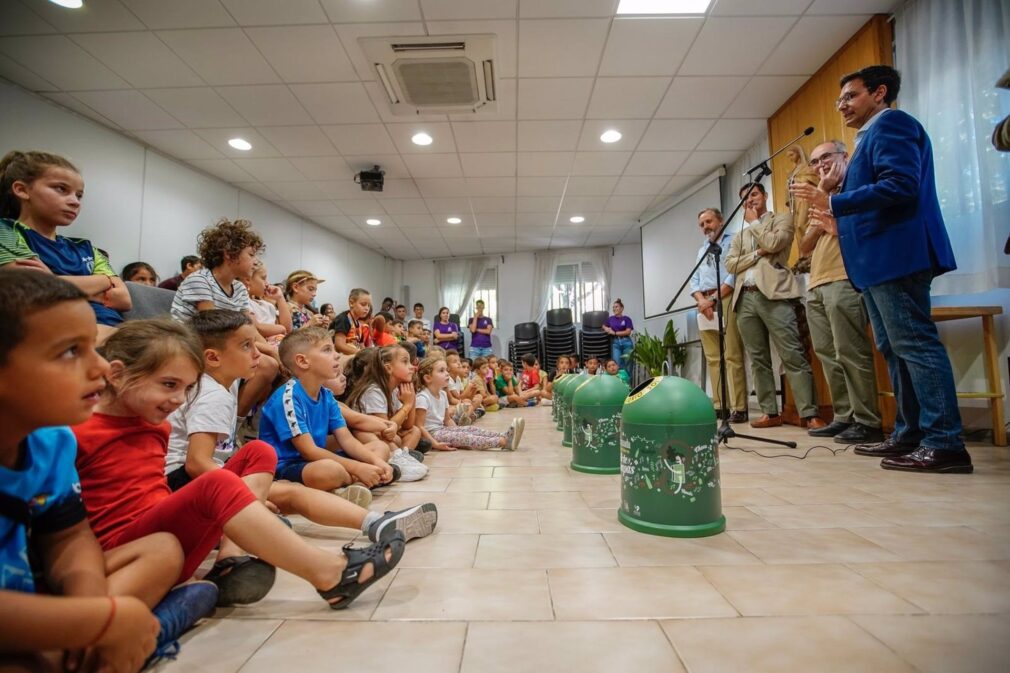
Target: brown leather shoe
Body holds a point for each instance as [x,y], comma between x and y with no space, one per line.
[925,459]
[814,423]
[767,421]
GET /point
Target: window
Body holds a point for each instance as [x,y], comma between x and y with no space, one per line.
[487,289]
[576,287]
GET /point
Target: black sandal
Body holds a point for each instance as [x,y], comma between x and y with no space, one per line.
[241,580]
[349,588]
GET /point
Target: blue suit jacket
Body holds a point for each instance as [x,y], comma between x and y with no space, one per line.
[889,221]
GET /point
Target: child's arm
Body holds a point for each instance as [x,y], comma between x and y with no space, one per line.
[435,444]
[268,330]
[374,423]
[275,296]
[73,560]
[342,345]
[200,454]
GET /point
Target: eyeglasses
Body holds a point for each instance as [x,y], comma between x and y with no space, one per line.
[848,97]
[819,160]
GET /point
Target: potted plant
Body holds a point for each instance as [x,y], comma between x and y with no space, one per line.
[651,352]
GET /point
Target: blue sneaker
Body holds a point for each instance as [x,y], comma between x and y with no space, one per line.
[178,612]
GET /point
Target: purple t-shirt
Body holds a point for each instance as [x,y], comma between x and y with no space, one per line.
[479,340]
[619,323]
[445,328]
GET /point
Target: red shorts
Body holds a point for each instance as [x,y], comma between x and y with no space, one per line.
[196,513]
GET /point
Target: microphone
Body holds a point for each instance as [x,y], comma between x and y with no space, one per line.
[809,130]
[763,165]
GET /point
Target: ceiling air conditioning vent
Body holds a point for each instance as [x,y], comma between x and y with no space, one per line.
[436,75]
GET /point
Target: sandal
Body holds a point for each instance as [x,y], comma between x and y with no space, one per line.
[349,588]
[241,580]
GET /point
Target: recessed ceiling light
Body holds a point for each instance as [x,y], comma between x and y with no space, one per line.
[454,220]
[663,6]
[421,138]
[610,136]
[372,221]
[240,144]
[576,219]
[69,4]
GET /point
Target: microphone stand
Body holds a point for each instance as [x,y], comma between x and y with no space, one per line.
[726,431]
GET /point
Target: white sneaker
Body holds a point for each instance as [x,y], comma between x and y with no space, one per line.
[410,469]
[518,425]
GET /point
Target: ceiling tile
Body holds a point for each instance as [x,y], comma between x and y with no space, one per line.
[561,47]
[487,232]
[299,141]
[400,190]
[350,33]
[533,164]
[161,15]
[853,7]
[600,163]
[628,204]
[567,228]
[325,168]
[733,134]
[655,163]
[440,10]
[355,11]
[537,204]
[341,103]
[360,139]
[441,187]
[699,97]
[196,107]
[270,170]
[704,162]
[488,164]
[554,98]
[766,7]
[590,186]
[335,187]
[540,186]
[539,9]
[616,221]
[676,185]
[22,76]
[313,208]
[129,109]
[726,46]
[220,55]
[505,40]
[96,16]
[626,97]
[491,186]
[440,132]
[180,143]
[582,204]
[392,164]
[140,58]
[419,220]
[403,206]
[631,132]
[266,105]
[810,43]
[545,136]
[674,134]
[763,96]
[648,46]
[649,185]
[485,136]
[497,219]
[218,139]
[304,53]
[270,12]
[17,19]
[433,165]
[536,223]
[359,207]
[452,205]
[259,189]
[226,169]
[57,59]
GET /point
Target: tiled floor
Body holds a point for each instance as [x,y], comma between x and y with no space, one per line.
[828,564]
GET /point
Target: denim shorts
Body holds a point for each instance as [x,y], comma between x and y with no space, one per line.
[291,471]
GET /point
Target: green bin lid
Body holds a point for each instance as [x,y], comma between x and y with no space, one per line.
[601,391]
[572,383]
[668,400]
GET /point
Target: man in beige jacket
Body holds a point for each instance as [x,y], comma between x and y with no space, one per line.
[764,299]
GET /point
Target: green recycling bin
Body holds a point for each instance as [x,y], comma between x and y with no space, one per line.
[670,461]
[596,426]
[556,400]
[559,399]
[566,412]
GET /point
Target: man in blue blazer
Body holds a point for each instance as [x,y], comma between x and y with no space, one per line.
[894,243]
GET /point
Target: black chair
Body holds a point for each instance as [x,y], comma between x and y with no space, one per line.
[559,317]
[527,331]
[594,320]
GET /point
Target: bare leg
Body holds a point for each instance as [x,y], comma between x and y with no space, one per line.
[325,475]
[319,507]
[410,438]
[145,568]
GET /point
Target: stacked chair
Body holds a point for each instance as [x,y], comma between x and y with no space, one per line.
[526,341]
[560,336]
[454,318]
[593,341]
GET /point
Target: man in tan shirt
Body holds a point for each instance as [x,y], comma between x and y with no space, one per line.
[837,320]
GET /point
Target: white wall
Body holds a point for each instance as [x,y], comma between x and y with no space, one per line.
[141,205]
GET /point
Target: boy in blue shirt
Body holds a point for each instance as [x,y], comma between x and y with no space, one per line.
[302,421]
[99,604]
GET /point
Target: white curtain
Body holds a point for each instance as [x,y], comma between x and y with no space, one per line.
[950,54]
[456,280]
[545,263]
[601,260]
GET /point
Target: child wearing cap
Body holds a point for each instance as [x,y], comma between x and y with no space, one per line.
[301,287]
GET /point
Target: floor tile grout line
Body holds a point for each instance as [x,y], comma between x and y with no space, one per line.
[673,645]
[260,646]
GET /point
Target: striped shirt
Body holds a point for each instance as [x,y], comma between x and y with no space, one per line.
[203,286]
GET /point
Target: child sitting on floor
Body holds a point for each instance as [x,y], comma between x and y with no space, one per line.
[59,594]
[270,312]
[382,332]
[593,366]
[488,399]
[415,335]
[433,415]
[350,331]
[300,287]
[507,387]
[302,416]
[462,410]
[529,381]
[614,370]
[560,369]
[154,366]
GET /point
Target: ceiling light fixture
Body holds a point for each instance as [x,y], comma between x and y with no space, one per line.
[663,6]
[576,219]
[69,4]
[421,138]
[610,136]
[240,144]
[454,220]
[372,221]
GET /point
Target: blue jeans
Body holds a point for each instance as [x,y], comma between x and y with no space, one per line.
[478,352]
[917,362]
[618,349]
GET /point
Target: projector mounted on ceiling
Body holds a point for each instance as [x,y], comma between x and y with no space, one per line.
[442,74]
